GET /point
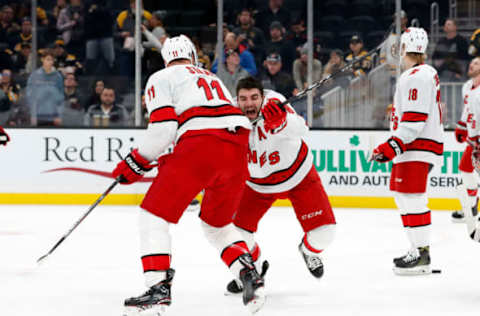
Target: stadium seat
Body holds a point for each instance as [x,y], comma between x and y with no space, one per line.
[208,34]
[189,31]
[325,38]
[362,7]
[374,38]
[294,5]
[169,5]
[330,23]
[191,18]
[335,7]
[171,18]
[362,24]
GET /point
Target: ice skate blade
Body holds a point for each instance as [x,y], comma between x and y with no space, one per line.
[228,293]
[193,208]
[458,220]
[257,303]
[421,270]
[156,310]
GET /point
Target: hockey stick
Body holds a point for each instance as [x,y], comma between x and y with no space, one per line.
[319,83]
[80,220]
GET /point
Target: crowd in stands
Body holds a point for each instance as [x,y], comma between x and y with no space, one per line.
[86,48]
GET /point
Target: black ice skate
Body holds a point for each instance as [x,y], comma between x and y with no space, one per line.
[154,302]
[458,217]
[415,262]
[252,283]
[235,287]
[314,263]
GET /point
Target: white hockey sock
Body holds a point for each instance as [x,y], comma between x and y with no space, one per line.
[318,239]
[155,247]
[416,217]
[229,242]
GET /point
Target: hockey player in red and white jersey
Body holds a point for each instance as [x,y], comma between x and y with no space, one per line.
[192,107]
[4,138]
[281,167]
[416,145]
[469,187]
[472,118]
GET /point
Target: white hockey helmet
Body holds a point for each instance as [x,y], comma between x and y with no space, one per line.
[414,40]
[179,47]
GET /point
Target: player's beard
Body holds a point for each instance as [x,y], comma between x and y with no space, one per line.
[473,73]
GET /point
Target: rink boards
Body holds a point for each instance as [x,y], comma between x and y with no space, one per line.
[72,166]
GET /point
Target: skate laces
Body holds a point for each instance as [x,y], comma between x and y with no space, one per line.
[314,262]
[411,255]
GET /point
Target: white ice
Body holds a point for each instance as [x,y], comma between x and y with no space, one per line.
[98,266]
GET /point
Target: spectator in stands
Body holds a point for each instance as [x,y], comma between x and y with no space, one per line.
[357,51]
[298,34]
[99,36]
[274,12]
[246,58]
[203,59]
[300,69]
[65,61]
[71,24]
[450,57]
[474,46]
[276,79]
[5,106]
[73,108]
[94,97]
[11,89]
[22,60]
[23,10]
[155,24]
[107,113]
[232,8]
[250,36]
[278,43]
[403,20]
[155,35]
[24,36]
[232,72]
[8,27]
[335,63]
[45,93]
[5,56]
[124,34]
[61,4]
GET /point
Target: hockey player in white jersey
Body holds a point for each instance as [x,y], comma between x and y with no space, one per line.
[416,145]
[468,189]
[472,118]
[281,166]
[191,107]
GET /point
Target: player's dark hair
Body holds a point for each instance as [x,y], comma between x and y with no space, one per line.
[419,58]
[250,83]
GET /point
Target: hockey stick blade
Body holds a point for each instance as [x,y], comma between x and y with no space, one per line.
[80,220]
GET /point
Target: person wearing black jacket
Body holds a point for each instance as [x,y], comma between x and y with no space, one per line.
[98,34]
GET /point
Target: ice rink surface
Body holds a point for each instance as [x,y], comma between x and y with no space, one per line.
[98,266]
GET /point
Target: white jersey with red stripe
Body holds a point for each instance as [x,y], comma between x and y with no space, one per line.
[471,113]
[193,97]
[417,116]
[280,159]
